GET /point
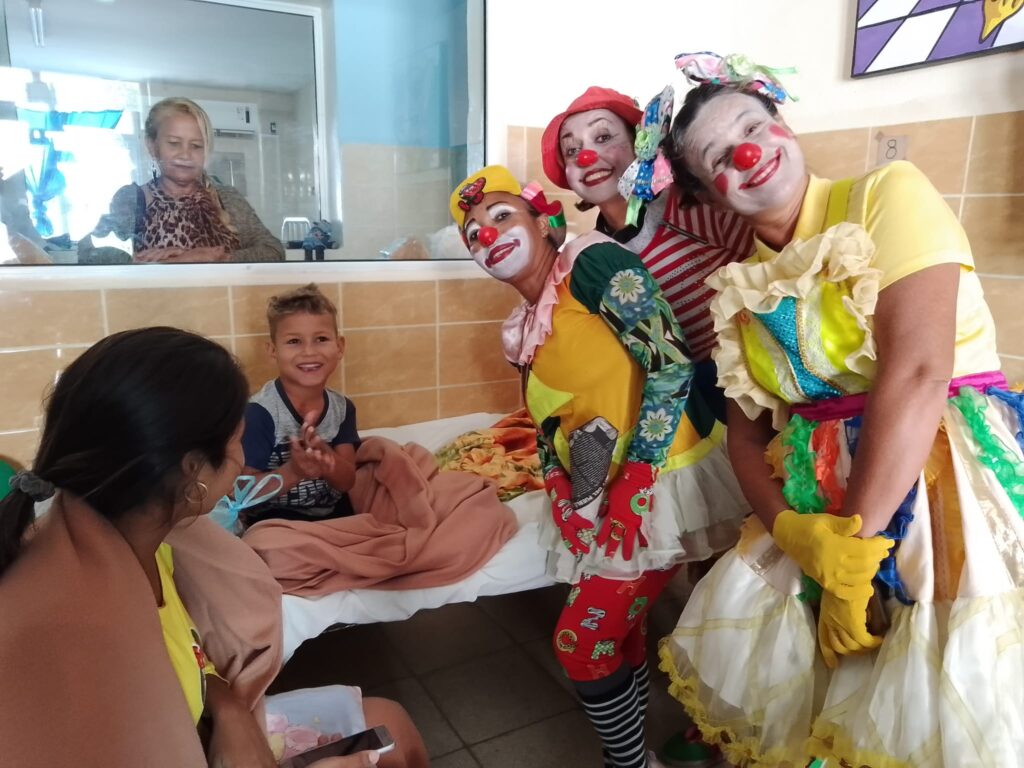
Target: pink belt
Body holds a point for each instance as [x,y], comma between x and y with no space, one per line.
[847,406]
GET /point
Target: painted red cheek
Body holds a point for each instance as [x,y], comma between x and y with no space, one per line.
[721,184]
[778,131]
[746,156]
[486,236]
[586,158]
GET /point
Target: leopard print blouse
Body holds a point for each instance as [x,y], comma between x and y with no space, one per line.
[190,221]
[129,219]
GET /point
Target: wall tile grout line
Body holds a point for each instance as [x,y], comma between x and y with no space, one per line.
[348,329]
[439,387]
[967,170]
[46,347]
[497,321]
[474,383]
[231,319]
[104,317]
[342,329]
[998,276]
[437,349]
[993,194]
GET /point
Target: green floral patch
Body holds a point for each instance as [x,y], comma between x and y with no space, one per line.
[627,286]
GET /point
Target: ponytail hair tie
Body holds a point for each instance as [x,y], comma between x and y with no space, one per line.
[33,486]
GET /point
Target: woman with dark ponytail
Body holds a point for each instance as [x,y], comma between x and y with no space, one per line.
[134,425]
[101,662]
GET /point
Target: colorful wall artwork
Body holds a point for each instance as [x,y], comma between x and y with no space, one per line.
[899,34]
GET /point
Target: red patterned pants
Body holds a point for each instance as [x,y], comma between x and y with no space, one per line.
[604,623]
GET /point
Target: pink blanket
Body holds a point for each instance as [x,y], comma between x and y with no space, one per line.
[416,528]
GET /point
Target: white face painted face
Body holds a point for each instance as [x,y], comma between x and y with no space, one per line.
[501,238]
[746,160]
[179,148]
[603,132]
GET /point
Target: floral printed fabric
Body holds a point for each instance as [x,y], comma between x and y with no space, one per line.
[506,453]
[632,304]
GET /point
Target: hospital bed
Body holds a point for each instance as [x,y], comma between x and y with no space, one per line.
[518,566]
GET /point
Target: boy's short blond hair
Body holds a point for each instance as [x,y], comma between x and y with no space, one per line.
[307,299]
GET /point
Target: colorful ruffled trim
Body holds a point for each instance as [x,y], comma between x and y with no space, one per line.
[737,750]
[992,452]
[809,472]
[801,485]
[529,325]
[832,744]
[840,254]
[1016,401]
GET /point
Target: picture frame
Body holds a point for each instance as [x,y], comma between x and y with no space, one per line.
[896,35]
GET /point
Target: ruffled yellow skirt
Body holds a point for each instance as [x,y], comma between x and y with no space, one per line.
[946,688]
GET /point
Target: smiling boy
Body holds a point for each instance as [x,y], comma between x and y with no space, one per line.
[295,426]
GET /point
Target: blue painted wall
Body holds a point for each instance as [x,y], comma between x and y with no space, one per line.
[401,71]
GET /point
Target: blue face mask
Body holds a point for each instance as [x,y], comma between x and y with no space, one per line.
[247,493]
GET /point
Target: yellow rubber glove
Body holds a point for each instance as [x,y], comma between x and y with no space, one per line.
[843,628]
[826,549]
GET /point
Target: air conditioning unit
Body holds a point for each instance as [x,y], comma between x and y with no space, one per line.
[231,116]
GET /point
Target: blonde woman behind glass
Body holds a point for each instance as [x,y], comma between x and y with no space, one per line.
[182,215]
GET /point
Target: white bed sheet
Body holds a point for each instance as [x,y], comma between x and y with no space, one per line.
[519,565]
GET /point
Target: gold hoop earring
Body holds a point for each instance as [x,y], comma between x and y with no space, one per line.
[204,491]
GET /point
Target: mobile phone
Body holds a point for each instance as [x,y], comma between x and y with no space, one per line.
[377,739]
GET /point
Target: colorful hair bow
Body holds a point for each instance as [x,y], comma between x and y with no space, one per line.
[735,69]
[650,172]
[533,193]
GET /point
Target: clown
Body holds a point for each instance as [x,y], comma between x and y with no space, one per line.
[605,149]
[866,413]
[632,460]
[602,146]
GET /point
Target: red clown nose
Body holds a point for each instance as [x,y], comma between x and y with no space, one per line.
[746,156]
[586,157]
[486,236]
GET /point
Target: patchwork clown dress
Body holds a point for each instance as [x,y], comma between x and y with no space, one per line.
[606,379]
[946,687]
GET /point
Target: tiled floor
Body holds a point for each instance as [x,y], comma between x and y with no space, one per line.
[481,681]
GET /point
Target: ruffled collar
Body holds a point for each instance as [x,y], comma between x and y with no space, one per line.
[529,325]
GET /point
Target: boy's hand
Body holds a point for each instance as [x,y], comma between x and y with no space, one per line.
[305,462]
[315,446]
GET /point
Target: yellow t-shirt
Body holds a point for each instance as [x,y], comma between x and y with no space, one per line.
[181,638]
[912,229]
[583,370]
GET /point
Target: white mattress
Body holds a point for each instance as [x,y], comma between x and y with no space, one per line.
[517,566]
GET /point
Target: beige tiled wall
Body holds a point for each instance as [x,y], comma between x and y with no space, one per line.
[415,350]
[391,192]
[977,163]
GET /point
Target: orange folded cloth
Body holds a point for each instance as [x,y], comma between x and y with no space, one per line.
[505,453]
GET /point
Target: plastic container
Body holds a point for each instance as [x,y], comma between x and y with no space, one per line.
[298,721]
